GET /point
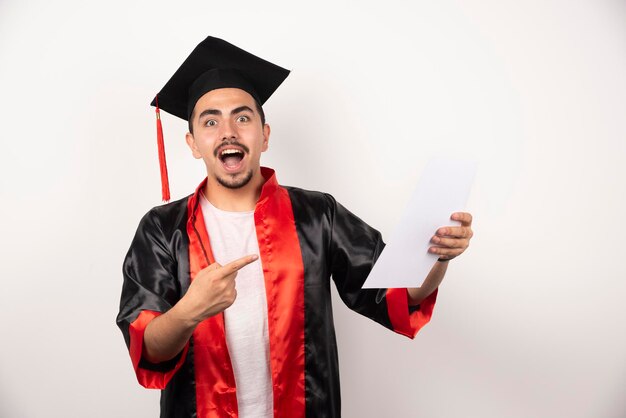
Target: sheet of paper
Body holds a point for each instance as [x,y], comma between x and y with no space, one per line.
[443,189]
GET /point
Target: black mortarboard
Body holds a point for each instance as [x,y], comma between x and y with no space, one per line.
[213,64]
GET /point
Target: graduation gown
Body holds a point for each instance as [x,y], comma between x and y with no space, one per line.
[305,238]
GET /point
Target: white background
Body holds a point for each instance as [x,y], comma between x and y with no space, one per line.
[530,322]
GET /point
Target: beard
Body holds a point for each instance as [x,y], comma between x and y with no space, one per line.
[235,181]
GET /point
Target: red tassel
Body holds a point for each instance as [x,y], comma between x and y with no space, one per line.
[165,184]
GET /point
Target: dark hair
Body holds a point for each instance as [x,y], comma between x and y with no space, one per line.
[259,109]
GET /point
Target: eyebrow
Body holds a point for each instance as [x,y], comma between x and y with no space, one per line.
[241,109]
[219,112]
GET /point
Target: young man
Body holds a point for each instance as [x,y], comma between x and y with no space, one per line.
[226,301]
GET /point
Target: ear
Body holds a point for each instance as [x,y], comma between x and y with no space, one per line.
[191,142]
[266,137]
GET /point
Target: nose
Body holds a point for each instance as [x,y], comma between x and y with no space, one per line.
[229,130]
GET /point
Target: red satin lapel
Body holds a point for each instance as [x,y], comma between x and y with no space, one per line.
[284,284]
[215,380]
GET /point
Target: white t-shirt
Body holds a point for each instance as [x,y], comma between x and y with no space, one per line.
[232,236]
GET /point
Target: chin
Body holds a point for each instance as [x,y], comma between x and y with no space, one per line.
[235,181]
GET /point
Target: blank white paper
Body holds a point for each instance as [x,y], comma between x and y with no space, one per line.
[443,189]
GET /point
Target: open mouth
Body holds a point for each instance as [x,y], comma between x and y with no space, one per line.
[231,157]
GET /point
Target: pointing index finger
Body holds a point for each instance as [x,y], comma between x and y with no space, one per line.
[240,263]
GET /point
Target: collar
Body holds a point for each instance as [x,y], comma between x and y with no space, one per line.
[268,189]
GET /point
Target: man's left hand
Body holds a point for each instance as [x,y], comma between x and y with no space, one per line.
[452,241]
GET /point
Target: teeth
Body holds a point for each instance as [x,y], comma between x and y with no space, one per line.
[230,151]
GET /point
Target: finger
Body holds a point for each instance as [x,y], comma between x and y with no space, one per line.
[213,266]
[236,265]
[446,252]
[463,217]
[450,242]
[456,231]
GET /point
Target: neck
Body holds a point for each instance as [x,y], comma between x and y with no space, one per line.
[234,200]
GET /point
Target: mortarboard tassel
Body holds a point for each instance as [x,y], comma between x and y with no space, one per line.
[165,185]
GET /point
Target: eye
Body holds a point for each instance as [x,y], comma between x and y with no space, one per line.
[243,118]
[210,122]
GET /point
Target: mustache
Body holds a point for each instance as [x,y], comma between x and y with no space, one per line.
[229,143]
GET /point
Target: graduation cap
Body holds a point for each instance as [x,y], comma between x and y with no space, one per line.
[213,64]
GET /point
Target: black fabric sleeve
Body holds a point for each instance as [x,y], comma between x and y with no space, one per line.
[354,248]
[149,272]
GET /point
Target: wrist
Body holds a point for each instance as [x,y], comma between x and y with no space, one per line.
[184,313]
[415,296]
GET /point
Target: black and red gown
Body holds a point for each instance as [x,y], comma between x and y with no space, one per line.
[305,238]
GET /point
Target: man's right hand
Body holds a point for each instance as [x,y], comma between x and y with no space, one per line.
[213,289]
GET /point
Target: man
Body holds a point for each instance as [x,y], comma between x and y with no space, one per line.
[226,299]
